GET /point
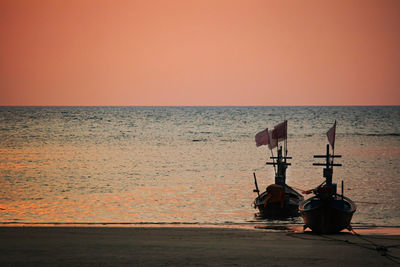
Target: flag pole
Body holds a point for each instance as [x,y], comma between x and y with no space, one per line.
[285,148]
[273,160]
[285,143]
[333,147]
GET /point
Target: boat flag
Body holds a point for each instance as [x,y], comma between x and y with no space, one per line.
[331,135]
[265,138]
[262,138]
[280,131]
[272,143]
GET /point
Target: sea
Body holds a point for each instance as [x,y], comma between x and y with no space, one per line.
[187,165]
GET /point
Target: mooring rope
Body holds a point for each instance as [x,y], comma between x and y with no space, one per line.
[381,249]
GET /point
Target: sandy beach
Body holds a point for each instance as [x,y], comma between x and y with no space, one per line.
[162,246]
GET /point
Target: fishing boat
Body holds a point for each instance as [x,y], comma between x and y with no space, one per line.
[279,200]
[327,211]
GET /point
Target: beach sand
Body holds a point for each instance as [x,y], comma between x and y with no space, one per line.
[111,246]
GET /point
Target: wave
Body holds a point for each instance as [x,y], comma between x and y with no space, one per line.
[247,224]
[256,223]
[376,134]
[199,140]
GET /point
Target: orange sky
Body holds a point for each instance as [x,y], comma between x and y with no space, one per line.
[202,52]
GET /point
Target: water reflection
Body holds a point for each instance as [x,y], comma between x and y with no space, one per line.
[142,165]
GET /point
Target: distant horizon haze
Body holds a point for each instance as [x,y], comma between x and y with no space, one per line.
[205,106]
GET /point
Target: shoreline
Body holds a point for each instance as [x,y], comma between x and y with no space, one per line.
[275,227]
[160,246]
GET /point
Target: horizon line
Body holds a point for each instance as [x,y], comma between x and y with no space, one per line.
[199,105]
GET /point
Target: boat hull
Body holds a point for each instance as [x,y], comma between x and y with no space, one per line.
[290,208]
[328,216]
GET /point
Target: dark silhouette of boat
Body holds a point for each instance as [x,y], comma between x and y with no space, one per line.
[327,212]
[279,200]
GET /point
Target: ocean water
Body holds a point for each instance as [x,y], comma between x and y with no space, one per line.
[186,164]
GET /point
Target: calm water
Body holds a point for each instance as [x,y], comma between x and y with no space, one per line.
[185,164]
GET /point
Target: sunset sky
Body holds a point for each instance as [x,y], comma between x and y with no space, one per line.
[227,52]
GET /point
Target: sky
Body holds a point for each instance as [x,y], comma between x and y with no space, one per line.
[184,53]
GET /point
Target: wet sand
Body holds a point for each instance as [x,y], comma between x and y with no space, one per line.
[110,246]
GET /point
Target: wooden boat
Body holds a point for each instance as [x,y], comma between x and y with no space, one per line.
[279,200]
[327,212]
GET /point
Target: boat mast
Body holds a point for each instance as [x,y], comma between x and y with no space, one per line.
[281,159]
[281,162]
[328,170]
